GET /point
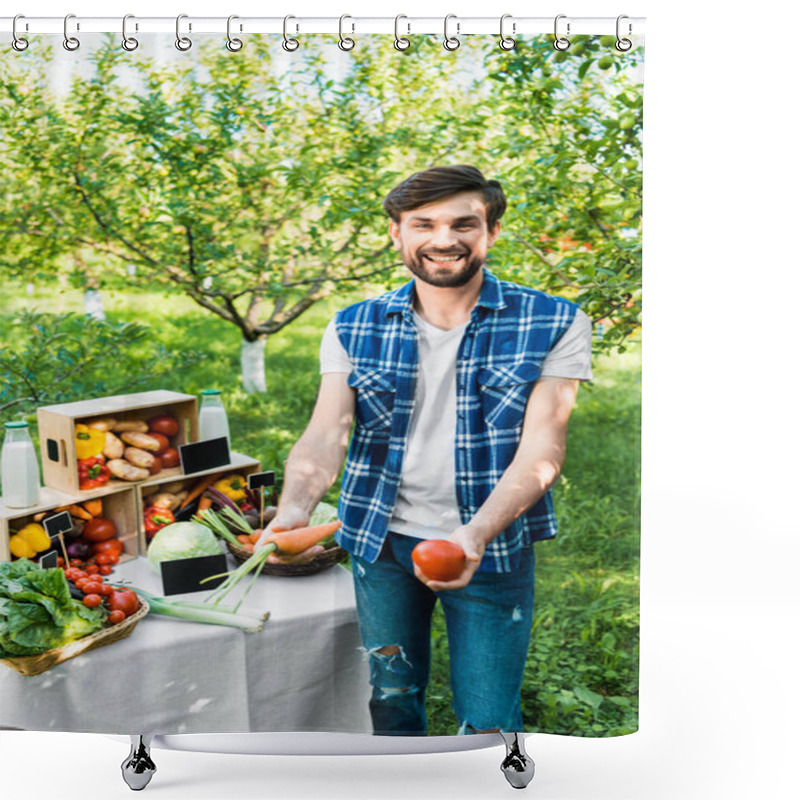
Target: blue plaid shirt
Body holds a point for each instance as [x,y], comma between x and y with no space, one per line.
[511,330]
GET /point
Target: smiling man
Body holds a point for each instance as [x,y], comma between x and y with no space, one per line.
[461,387]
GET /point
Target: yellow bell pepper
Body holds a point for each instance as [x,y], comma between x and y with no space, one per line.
[35,535]
[19,548]
[88,442]
[233,487]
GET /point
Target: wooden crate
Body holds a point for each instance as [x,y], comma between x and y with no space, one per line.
[240,464]
[121,506]
[57,430]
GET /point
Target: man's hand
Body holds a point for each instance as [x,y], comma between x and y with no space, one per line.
[287,519]
[473,544]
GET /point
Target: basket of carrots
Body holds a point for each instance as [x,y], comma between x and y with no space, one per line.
[241,537]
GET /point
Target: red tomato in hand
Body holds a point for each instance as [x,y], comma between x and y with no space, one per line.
[164,424]
[123,600]
[439,559]
[170,458]
[99,529]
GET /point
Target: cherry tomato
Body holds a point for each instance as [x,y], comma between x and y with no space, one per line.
[123,600]
[81,583]
[439,559]
[115,617]
[90,587]
[108,546]
[92,600]
[75,562]
[105,590]
[92,569]
[106,569]
[60,561]
[163,424]
[170,458]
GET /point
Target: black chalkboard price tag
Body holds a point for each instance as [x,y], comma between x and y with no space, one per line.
[49,560]
[184,574]
[205,455]
[58,523]
[259,479]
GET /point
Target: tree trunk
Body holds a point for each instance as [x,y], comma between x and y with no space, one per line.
[254,377]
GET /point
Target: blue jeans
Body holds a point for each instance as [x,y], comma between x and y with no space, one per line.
[488,631]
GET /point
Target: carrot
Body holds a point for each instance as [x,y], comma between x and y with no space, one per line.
[205,503]
[199,488]
[255,536]
[243,538]
[248,546]
[292,542]
[75,511]
[94,507]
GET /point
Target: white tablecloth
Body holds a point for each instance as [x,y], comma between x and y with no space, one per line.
[304,671]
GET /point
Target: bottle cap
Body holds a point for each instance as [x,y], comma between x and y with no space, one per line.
[15,425]
[208,392]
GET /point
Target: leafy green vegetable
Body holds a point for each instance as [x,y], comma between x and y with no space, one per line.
[182,540]
[37,612]
[324,512]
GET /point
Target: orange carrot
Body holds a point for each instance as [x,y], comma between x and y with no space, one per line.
[297,540]
[205,503]
[199,488]
[255,536]
[248,546]
[243,538]
[76,511]
[94,507]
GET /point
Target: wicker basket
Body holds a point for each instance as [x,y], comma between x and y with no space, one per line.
[35,665]
[324,560]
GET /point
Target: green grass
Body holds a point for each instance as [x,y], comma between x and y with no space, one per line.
[582,671]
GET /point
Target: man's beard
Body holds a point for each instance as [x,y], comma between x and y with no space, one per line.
[430,274]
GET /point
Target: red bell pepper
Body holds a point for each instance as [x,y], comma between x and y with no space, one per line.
[156,518]
[92,473]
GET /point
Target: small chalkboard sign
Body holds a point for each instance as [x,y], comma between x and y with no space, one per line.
[58,523]
[184,574]
[49,560]
[259,479]
[205,455]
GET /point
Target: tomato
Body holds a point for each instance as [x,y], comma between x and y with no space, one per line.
[106,569]
[109,546]
[123,600]
[80,584]
[170,458]
[98,529]
[102,559]
[164,424]
[115,617]
[92,569]
[60,561]
[92,600]
[162,440]
[439,559]
[106,590]
[90,587]
[156,466]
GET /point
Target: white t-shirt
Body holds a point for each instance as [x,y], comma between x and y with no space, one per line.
[426,504]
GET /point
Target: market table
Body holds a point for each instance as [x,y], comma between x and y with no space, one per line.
[305,671]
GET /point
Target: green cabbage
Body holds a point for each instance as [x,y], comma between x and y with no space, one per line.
[324,512]
[182,540]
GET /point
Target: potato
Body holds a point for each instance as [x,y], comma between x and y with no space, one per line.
[165,500]
[136,425]
[125,471]
[113,447]
[139,458]
[141,440]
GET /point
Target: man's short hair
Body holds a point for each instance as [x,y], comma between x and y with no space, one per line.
[438,183]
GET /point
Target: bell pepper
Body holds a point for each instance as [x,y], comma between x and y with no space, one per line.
[31,540]
[92,473]
[234,487]
[88,442]
[156,518]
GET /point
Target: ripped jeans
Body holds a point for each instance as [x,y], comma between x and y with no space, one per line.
[488,632]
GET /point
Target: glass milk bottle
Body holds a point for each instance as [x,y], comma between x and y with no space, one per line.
[213,419]
[20,469]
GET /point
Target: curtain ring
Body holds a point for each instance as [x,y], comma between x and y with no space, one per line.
[345,42]
[560,43]
[507,42]
[234,45]
[623,45]
[289,44]
[19,43]
[182,43]
[128,42]
[451,42]
[400,42]
[70,42]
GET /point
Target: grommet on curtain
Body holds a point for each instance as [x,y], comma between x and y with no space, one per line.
[507,42]
[70,42]
[233,44]
[182,43]
[129,43]
[19,43]
[451,42]
[561,43]
[289,44]
[623,45]
[400,42]
[345,42]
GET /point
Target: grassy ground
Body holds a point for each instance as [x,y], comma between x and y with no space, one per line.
[582,670]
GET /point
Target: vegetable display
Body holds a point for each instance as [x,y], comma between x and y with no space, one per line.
[37,612]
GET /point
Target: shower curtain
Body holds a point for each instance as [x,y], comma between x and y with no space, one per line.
[176,220]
